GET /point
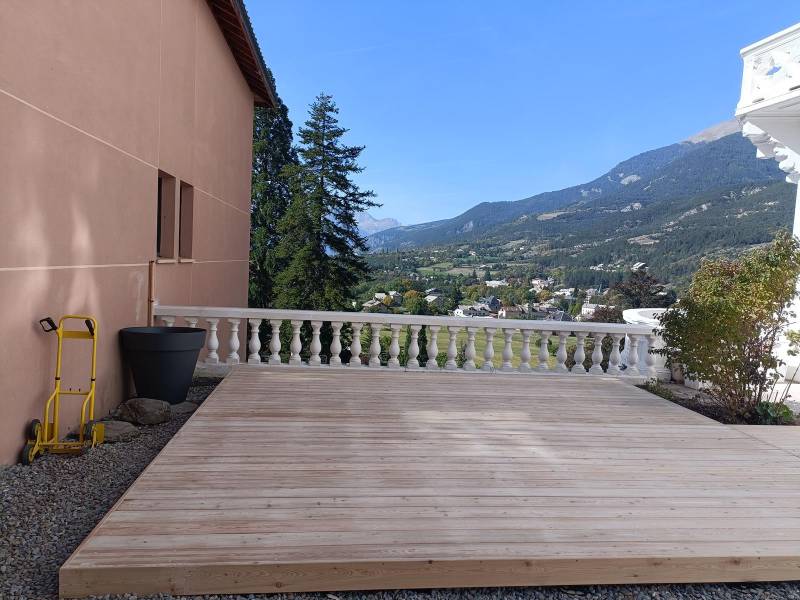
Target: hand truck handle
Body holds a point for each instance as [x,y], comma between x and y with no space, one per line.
[89,326]
[49,323]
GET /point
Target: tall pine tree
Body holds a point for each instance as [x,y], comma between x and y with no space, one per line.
[272,152]
[320,245]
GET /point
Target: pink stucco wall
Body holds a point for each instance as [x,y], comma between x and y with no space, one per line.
[96,97]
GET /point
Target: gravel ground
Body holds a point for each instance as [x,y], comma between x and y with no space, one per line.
[47,509]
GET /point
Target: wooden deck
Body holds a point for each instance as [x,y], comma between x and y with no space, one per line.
[324,479]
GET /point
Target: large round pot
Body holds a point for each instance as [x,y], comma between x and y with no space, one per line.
[162,359]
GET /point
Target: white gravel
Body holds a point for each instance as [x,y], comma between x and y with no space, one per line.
[47,509]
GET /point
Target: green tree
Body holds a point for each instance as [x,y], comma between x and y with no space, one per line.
[642,290]
[272,152]
[320,245]
[724,330]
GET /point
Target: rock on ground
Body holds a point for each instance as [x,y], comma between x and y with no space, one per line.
[144,411]
[116,431]
[183,408]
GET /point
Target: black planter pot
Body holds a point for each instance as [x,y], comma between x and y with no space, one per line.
[162,359]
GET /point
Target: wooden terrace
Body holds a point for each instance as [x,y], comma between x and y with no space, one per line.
[302,479]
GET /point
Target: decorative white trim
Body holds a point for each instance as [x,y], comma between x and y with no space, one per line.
[769,147]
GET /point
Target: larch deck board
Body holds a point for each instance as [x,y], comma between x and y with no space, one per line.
[340,479]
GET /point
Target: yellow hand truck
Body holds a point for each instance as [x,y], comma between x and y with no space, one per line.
[43,436]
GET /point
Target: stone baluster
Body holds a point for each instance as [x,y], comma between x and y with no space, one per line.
[508,350]
[544,352]
[394,347]
[275,343]
[452,349]
[525,353]
[650,358]
[254,346]
[561,353]
[469,353]
[336,345]
[488,352]
[413,347]
[296,346]
[213,342]
[316,346]
[633,356]
[191,322]
[375,346]
[168,321]
[355,345]
[580,352]
[613,359]
[433,347]
[233,343]
[597,354]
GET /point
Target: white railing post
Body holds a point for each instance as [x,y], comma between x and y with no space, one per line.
[633,356]
[275,343]
[525,353]
[296,346]
[191,322]
[168,321]
[233,343]
[580,352]
[433,348]
[316,346]
[544,352]
[488,352]
[650,358]
[413,347]
[213,342]
[254,346]
[508,350]
[394,347]
[597,354]
[452,350]
[375,346]
[336,344]
[355,345]
[613,359]
[561,354]
[469,353]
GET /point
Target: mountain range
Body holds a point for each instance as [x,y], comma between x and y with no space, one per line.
[668,207]
[368,224]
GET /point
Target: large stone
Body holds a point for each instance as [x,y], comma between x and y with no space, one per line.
[183,408]
[116,431]
[144,411]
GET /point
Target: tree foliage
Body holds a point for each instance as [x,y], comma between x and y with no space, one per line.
[272,153]
[642,290]
[724,330]
[320,245]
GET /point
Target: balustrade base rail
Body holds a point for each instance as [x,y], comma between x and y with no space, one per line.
[637,340]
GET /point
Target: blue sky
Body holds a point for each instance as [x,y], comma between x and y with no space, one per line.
[464,101]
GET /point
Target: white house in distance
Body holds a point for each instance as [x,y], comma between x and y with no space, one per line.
[769,111]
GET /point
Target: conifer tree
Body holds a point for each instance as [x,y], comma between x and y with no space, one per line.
[272,152]
[320,245]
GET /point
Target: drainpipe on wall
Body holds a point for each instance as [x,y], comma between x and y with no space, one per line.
[151,291]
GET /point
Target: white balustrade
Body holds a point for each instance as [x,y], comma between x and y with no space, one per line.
[233,343]
[433,347]
[488,353]
[355,346]
[254,346]
[405,331]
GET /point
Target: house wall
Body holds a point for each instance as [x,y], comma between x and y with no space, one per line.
[96,97]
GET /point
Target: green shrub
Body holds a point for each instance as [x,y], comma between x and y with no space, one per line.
[724,330]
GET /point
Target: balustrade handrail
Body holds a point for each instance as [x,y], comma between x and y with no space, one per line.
[637,340]
[219,312]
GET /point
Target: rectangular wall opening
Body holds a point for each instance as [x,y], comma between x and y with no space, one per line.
[186,221]
[165,220]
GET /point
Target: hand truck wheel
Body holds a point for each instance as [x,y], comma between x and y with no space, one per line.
[27,455]
[34,429]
